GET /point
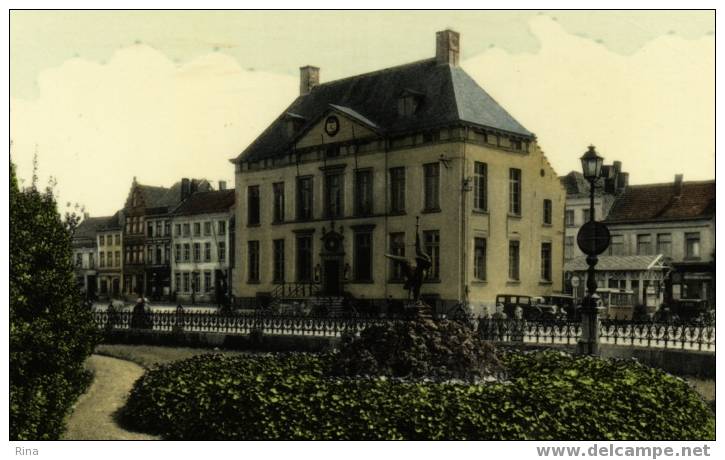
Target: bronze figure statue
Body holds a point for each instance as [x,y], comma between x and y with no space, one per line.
[414,269]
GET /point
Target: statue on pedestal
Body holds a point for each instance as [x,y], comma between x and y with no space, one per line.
[415,269]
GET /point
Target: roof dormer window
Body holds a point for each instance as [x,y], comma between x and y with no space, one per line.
[293,123]
[409,102]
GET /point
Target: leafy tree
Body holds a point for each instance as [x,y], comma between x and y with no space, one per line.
[51,333]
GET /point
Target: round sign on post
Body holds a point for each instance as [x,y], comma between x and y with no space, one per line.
[574,281]
[593,238]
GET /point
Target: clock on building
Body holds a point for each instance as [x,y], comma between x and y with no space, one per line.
[332,244]
[332,125]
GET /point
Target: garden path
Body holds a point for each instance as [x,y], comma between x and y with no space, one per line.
[93,415]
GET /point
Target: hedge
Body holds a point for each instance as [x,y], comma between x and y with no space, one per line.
[51,333]
[548,396]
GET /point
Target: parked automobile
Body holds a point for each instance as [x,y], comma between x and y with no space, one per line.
[511,302]
[564,306]
[692,310]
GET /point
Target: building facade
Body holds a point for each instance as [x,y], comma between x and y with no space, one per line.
[612,184]
[343,175]
[201,247]
[85,251]
[109,240]
[675,220]
[146,239]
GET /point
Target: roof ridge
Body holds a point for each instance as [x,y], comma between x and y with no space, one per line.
[663,184]
[376,72]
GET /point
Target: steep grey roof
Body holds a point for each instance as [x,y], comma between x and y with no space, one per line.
[448,96]
[627,263]
[85,234]
[206,203]
[160,200]
[111,223]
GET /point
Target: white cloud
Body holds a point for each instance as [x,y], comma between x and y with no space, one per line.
[98,125]
[653,110]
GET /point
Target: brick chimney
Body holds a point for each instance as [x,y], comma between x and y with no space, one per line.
[309,78]
[678,185]
[448,47]
[185,188]
[222,185]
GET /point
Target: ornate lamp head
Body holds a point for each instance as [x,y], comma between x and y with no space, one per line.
[591,164]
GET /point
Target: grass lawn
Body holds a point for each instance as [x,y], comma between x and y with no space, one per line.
[147,356]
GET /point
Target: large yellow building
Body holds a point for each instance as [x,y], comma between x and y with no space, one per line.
[338,180]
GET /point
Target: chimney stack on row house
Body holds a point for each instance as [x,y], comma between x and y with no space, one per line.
[222,185]
[678,185]
[185,188]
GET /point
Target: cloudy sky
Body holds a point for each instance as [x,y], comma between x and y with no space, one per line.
[106,96]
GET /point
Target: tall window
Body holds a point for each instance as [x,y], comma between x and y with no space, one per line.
[186,282]
[253,257]
[304,258]
[187,252]
[178,229]
[222,251]
[514,260]
[117,257]
[692,245]
[432,243]
[479,258]
[101,240]
[304,198]
[195,285]
[278,202]
[397,248]
[177,252]
[207,281]
[363,256]
[177,282]
[197,252]
[616,245]
[334,195]
[644,244]
[207,228]
[221,227]
[363,193]
[102,260]
[664,244]
[397,190]
[253,205]
[480,186]
[150,229]
[569,217]
[159,228]
[207,251]
[515,191]
[547,212]
[167,230]
[432,178]
[546,261]
[278,261]
[568,247]
[197,228]
[159,255]
[187,228]
[167,253]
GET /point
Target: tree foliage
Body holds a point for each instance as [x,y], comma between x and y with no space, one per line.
[51,333]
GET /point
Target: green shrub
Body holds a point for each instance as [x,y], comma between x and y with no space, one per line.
[51,333]
[416,349]
[549,396]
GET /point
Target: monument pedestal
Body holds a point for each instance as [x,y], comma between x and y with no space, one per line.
[419,309]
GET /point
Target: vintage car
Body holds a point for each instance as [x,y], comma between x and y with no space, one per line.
[692,310]
[564,306]
[529,309]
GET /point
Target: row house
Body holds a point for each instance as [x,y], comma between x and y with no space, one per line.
[109,241]
[343,175]
[674,220]
[611,185]
[84,246]
[202,237]
[147,236]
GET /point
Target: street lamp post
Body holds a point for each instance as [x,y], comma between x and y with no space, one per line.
[593,239]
